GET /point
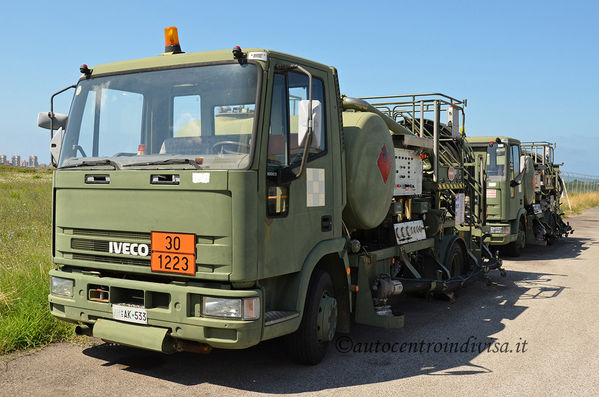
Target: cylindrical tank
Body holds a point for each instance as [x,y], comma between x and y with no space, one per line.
[528,169]
[370,169]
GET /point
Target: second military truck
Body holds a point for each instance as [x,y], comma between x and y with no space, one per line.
[523,192]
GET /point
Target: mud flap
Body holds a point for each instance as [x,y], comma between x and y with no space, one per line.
[142,336]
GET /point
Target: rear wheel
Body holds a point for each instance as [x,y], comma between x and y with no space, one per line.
[309,344]
[456,261]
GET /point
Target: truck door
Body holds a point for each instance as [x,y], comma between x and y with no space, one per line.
[299,212]
[516,193]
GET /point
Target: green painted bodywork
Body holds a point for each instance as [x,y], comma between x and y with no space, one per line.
[242,252]
[507,207]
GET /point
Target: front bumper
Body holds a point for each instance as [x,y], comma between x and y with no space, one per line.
[173,309]
[500,238]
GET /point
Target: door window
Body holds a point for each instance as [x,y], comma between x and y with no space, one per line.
[284,146]
[515,159]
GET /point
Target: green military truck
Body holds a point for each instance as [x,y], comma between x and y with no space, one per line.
[548,187]
[522,194]
[219,199]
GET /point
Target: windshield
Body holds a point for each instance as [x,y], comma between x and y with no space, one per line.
[200,116]
[496,162]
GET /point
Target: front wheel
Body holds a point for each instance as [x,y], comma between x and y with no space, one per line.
[515,248]
[309,344]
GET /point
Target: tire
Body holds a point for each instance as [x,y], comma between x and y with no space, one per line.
[309,344]
[515,248]
[456,260]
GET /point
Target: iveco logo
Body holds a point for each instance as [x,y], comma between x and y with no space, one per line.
[128,248]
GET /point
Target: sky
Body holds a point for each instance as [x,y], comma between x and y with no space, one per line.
[529,69]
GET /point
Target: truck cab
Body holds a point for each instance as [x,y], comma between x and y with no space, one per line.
[504,169]
[182,194]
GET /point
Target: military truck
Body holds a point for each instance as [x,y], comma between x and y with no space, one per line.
[522,194]
[220,199]
[548,187]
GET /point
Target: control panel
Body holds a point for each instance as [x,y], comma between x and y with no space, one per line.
[408,173]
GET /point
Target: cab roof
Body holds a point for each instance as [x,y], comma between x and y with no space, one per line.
[168,60]
[485,140]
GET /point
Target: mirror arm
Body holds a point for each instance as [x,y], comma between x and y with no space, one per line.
[51,114]
[310,123]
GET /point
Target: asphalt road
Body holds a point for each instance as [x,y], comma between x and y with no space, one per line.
[546,310]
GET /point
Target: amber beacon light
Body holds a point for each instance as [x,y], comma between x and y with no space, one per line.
[171,41]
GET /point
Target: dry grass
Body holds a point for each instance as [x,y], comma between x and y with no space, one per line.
[580,202]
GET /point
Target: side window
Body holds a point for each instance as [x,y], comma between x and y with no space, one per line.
[187,116]
[284,146]
[515,155]
[298,85]
[277,136]
[236,120]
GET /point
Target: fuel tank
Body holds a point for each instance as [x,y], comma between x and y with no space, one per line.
[528,169]
[370,169]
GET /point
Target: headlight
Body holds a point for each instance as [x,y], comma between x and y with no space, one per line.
[234,308]
[61,286]
[500,230]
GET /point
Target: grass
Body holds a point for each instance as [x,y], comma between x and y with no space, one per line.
[25,259]
[580,202]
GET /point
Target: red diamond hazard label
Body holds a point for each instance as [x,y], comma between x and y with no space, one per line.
[384,163]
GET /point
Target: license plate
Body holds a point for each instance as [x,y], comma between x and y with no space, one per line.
[498,230]
[132,314]
[173,253]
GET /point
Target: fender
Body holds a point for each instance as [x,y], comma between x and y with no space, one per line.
[521,214]
[467,253]
[334,246]
[446,244]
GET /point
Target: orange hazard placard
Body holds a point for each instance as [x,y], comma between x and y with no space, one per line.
[173,253]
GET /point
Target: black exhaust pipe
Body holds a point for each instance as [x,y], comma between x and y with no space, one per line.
[83,330]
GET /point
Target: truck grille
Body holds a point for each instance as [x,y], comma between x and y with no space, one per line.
[110,259]
[89,245]
[97,241]
[108,233]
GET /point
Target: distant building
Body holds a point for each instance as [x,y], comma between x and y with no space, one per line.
[15,160]
[33,162]
[3,159]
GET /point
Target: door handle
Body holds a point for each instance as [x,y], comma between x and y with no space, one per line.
[165,179]
[326,223]
[97,179]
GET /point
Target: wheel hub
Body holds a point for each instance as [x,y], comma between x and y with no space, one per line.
[327,318]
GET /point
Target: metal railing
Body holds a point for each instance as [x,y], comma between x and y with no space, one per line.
[411,111]
[580,183]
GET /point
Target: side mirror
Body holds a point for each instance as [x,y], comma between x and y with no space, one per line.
[516,181]
[303,116]
[56,145]
[60,120]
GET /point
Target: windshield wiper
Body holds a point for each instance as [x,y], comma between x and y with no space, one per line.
[86,163]
[164,162]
